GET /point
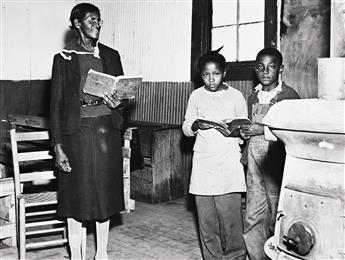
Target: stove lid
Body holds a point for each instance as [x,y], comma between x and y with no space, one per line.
[312,115]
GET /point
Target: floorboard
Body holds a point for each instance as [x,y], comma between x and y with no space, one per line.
[153,231]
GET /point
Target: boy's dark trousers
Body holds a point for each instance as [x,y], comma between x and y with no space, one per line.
[264,176]
[221,226]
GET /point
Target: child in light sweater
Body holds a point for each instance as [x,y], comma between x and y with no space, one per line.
[217,178]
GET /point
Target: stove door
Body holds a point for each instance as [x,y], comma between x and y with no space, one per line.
[311,226]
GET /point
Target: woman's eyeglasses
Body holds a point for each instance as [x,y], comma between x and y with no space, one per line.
[94,21]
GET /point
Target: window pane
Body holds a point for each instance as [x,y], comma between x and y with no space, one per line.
[251,40]
[224,13]
[252,11]
[225,36]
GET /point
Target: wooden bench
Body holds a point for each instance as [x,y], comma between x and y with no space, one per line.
[165,171]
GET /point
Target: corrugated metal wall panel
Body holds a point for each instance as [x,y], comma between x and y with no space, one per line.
[161,102]
[166,102]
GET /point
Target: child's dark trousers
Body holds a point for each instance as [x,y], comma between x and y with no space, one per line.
[221,226]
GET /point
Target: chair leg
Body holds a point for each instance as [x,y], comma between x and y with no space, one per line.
[22,238]
[64,232]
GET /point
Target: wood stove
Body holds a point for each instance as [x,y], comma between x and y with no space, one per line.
[311,215]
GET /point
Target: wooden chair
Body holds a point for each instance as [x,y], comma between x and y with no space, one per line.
[41,124]
[36,210]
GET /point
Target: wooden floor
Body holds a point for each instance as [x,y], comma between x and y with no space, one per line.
[153,231]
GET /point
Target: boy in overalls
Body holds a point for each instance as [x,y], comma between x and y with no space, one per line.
[266,159]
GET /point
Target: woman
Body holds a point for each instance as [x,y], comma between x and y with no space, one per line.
[86,134]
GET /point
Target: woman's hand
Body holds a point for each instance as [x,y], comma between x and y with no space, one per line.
[111,100]
[61,160]
[246,131]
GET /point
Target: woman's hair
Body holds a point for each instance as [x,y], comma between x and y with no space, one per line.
[212,56]
[272,52]
[80,10]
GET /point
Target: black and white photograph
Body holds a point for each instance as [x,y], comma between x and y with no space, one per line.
[172,129]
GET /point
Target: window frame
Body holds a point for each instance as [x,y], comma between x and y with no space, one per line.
[202,37]
[237,24]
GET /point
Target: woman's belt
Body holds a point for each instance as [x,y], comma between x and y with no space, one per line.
[93,108]
[90,102]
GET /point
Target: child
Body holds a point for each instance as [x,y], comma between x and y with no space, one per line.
[217,178]
[265,159]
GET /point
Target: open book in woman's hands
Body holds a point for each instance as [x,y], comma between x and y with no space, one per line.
[124,87]
[230,129]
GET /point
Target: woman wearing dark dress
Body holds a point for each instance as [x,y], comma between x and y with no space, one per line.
[85,133]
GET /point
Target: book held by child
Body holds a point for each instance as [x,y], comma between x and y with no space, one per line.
[124,87]
[230,128]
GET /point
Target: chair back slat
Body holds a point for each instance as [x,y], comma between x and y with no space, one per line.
[32,136]
[36,176]
[29,121]
[33,156]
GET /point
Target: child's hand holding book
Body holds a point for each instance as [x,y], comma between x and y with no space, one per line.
[246,131]
[231,129]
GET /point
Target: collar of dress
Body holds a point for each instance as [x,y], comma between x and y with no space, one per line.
[68,50]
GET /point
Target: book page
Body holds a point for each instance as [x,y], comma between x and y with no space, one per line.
[127,87]
[231,129]
[98,83]
[220,126]
[124,87]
